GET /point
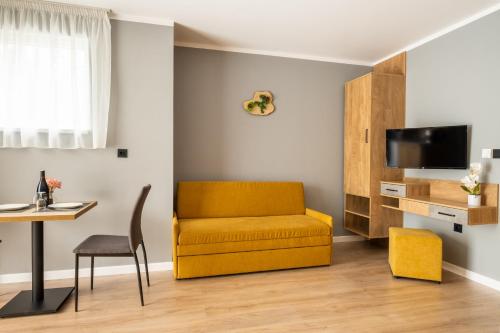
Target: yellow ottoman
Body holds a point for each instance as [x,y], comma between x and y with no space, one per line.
[415,253]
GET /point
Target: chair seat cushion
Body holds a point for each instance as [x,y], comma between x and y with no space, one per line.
[223,235]
[104,245]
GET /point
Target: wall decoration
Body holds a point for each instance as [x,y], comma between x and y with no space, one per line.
[260,105]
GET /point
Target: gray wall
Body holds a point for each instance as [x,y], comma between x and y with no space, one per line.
[455,79]
[215,139]
[141,119]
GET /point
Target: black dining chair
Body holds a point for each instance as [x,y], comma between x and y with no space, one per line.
[115,246]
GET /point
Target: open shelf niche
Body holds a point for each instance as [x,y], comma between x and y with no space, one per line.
[357,214]
[357,205]
[356,223]
[390,202]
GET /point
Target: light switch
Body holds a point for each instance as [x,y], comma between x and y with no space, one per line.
[122,153]
[487,153]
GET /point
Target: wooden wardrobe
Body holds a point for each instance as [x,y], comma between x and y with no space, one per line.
[373,103]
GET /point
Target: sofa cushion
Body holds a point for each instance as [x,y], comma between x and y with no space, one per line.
[244,229]
[234,199]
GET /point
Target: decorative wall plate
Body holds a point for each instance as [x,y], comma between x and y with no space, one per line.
[260,105]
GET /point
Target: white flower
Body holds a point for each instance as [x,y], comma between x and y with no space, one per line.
[465,180]
[469,181]
[474,178]
[475,169]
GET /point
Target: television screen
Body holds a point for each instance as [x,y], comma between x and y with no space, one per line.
[427,147]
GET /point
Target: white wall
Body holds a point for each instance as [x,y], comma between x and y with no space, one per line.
[455,80]
[141,119]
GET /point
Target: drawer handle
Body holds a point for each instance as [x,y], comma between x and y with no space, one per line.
[390,189]
[446,214]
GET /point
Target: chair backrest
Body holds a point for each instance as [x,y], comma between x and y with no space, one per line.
[135,233]
[213,199]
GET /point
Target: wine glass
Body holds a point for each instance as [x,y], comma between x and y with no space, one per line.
[41,201]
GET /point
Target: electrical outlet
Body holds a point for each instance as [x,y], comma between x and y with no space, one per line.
[457,227]
[122,153]
[487,153]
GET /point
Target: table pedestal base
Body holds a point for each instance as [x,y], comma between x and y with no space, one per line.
[23,305]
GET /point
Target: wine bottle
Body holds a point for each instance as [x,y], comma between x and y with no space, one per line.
[42,186]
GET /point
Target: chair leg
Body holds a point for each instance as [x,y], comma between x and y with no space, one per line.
[92,273]
[139,277]
[145,261]
[77,257]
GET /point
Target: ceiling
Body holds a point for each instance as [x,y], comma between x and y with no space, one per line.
[350,31]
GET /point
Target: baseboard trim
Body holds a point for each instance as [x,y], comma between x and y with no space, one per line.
[350,238]
[476,277]
[85,272]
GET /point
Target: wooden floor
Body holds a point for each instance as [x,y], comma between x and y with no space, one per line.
[356,294]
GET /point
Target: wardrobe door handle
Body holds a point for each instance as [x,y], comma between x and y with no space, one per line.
[366,135]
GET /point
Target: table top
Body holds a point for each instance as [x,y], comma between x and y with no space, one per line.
[30,214]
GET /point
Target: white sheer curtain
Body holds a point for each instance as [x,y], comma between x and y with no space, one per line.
[55,75]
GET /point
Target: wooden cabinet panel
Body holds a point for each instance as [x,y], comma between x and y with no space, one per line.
[357,136]
[394,65]
[419,208]
[387,112]
[373,103]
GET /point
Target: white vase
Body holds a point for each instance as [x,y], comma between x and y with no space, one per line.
[474,200]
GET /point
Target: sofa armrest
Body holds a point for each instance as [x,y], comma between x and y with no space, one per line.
[175,240]
[320,216]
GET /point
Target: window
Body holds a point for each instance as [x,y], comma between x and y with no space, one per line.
[54,76]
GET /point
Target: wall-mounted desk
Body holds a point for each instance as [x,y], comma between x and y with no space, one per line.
[440,199]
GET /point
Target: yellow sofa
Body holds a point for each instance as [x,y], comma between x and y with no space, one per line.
[237,227]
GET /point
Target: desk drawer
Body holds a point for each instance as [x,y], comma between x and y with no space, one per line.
[393,189]
[448,214]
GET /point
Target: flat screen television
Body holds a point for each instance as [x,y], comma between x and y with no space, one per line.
[427,147]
